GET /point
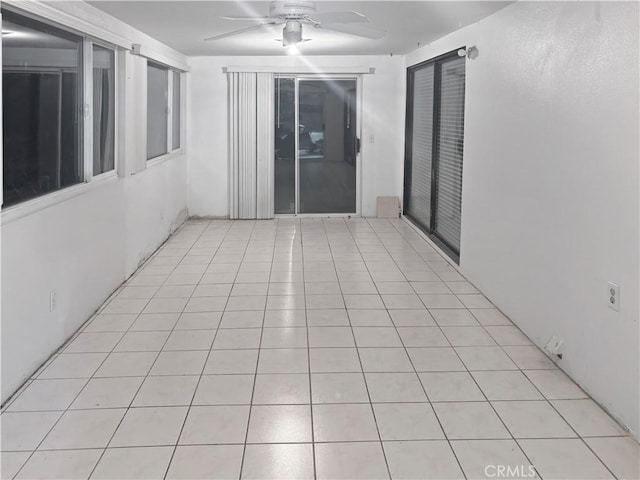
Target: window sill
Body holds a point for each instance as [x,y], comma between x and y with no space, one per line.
[163,158]
[38,204]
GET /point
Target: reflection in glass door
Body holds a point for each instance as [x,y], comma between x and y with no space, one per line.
[316,146]
[285,146]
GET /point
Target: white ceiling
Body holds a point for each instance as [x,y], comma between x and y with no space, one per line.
[184,24]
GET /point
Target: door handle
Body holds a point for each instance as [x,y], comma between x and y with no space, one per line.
[357,145]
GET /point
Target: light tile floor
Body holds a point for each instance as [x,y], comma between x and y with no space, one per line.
[315,348]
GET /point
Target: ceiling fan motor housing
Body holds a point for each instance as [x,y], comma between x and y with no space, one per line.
[291,33]
[292,10]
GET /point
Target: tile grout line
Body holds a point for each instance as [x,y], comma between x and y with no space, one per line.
[307,443]
[444,433]
[334,239]
[543,397]
[469,372]
[152,364]
[306,322]
[255,375]
[65,346]
[204,365]
[542,400]
[88,380]
[82,329]
[364,377]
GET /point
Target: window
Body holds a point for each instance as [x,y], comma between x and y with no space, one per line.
[434,149]
[157,110]
[51,77]
[104,90]
[163,110]
[42,94]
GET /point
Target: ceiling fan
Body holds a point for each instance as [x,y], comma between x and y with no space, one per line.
[294,13]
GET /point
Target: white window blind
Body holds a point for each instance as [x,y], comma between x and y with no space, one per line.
[434,149]
[449,149]
[422,145]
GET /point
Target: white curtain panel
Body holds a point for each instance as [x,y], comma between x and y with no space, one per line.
[251,140]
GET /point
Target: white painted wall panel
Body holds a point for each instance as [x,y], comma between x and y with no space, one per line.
[85,246]
[550,184]
[383,112]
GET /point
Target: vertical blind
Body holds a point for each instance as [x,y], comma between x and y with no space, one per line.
[434,149]
[250,145]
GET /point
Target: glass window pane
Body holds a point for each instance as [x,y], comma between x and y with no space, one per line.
[418,204]
[285,146]
[103,110]
[175,111]
[157,118]
[434,147]
[327,146]
[42,92]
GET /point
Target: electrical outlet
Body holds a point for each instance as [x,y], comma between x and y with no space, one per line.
[613,296]
[53,300]
[555,347]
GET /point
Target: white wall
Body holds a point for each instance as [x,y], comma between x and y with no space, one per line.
[88,243]
[550,183]
[207,137]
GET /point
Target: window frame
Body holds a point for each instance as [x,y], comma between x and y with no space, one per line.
[89,42]
[437,62]
[85,120]
[175,73]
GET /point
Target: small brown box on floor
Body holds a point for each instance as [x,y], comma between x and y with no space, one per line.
[388,207]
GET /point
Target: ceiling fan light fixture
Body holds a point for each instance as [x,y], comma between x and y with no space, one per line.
[293,49]
[291,33]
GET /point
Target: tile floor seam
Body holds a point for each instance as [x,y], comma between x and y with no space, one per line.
[425,391]
[485,396]
[184,422]
[581,438]
[306,321]
[255,375]
[63,348]
[154,361]
[386,460]
[490,404]
[326,241]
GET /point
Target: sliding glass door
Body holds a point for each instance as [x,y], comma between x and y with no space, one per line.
[316,145]
[434,149]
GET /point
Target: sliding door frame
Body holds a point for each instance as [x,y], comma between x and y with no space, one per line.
[429,230]
[302,77]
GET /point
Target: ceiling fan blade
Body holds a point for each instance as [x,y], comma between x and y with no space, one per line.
[357,29]
[339,17]
[242,30]
[256,19]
